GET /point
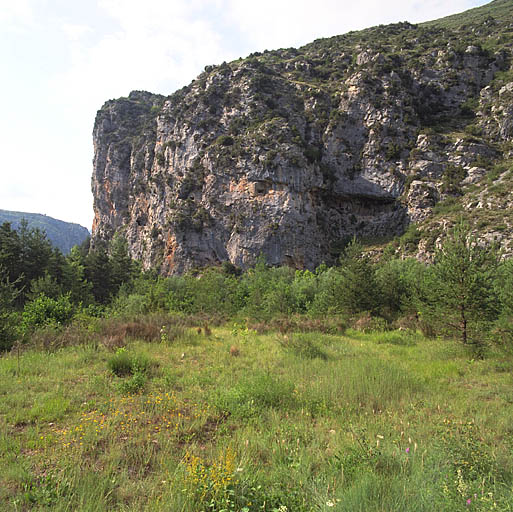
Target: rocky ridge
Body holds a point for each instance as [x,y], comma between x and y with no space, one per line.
[290,153]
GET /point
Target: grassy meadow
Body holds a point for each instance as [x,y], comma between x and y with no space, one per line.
[247,418]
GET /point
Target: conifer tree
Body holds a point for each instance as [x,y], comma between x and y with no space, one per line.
[462,288]
[122,266]
[358,288]
[99,273]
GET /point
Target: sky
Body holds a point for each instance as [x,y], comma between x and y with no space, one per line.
[61,60]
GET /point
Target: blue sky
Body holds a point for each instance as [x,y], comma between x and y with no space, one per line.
[62,60]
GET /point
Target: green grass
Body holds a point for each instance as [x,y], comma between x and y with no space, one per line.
[498,9]
[296,422]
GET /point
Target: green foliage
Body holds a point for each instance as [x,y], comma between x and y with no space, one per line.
[327,297]
[123,268]
[452,178]
[358,282]
[393,152]
[44,311]
[25,255]
[461,282]
[44,285]
[503,287]
[468,107]
[134,384]
[8,329]
[267,291]
[225,140]
[8,319]
[98,271]
[62,235]
[124,363]
[410,239]
[474,130]
[74,279]
[397,282]
[448,206]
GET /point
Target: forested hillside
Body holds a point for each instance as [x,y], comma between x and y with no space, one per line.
[63,235]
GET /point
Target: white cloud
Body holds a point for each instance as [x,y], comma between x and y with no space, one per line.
[273,24]
[160,48]
[16,11]
[75,32]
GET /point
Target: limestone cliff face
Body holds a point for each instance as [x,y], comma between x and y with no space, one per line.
[289,153]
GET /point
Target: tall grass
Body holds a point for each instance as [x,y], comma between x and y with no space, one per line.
[298,421]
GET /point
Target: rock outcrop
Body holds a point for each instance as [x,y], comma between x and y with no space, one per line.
[290,153]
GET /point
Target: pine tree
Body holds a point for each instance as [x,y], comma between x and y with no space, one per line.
[99,273]
[8,294]
[462,289]
[122,266]
[358,288]
[74,277]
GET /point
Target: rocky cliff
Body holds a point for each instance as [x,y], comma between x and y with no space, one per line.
[289,153]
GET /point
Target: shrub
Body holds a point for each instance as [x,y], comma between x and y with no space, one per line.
[410,239]
[123,363]
[474,130]
[120,363]
[45,311]
[452,178]
[327,299]
[134,384]
[368,323]
[225,140]
[357,292]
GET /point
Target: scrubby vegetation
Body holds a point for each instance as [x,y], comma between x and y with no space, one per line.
[371,385]
[464,293]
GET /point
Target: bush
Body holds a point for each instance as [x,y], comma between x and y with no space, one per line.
[410,239]
[327,297]
[46,312]
[122,363]
[134,384]
[225,140]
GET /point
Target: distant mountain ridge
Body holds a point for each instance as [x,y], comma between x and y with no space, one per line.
[63,235]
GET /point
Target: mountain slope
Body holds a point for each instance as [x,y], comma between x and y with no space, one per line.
[291,152]
[63,235]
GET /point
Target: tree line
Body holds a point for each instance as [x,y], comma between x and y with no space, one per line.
[467,292]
